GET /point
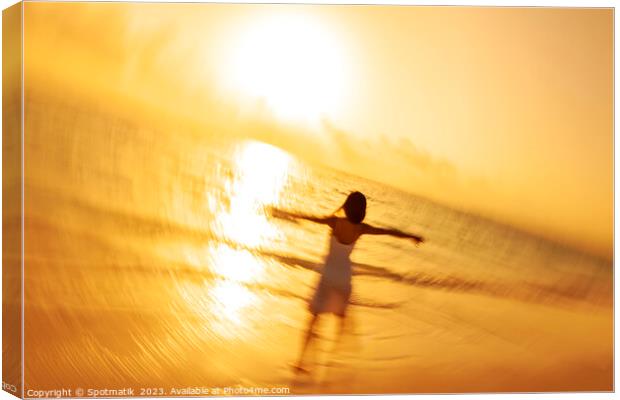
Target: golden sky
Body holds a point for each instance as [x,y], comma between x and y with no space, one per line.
[505,112]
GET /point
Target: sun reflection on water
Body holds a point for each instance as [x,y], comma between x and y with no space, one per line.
[258,177]
[260,174]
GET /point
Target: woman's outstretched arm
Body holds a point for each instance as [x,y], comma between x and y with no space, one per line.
[282,214]
[373,230]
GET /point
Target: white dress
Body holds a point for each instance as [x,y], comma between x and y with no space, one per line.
[334,289]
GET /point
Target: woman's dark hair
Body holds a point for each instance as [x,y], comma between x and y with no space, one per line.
[355,207]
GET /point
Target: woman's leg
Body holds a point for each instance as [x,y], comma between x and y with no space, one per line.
[307,339]
[342,325]
[343,303]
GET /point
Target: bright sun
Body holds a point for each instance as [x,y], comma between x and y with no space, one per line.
[291,63]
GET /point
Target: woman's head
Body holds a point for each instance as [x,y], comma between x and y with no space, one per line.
[355,207]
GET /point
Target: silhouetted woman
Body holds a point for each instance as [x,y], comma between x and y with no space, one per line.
[334,289]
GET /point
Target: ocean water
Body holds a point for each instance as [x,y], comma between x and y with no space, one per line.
[152,261]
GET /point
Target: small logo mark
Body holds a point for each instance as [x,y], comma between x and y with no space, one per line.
[9,387]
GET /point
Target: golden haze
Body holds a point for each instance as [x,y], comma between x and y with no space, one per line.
[503,112]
